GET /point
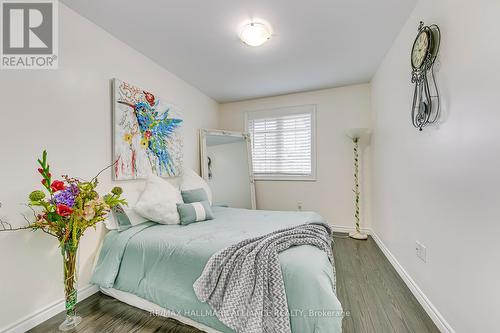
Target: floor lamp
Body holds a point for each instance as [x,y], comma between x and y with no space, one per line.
[356,134]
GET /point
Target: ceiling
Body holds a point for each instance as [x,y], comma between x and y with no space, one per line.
[316,43]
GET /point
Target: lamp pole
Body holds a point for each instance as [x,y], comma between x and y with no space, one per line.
[356,234]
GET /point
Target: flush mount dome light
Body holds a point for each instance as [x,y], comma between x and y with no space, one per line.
[255,33]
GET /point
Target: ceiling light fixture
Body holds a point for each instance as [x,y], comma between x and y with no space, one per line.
[255,33]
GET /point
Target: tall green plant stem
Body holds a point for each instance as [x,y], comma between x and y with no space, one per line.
[69,264]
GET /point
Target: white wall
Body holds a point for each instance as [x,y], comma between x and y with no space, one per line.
[68,112]
[440,186]
[331,195]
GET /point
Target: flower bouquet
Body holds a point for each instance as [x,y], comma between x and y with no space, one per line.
[66,209]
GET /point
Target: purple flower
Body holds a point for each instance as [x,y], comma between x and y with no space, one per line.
[67,196]
[74,190]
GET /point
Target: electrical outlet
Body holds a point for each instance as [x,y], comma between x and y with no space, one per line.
[299,206]
[421,251]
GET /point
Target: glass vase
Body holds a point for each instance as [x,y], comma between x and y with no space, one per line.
[70,289]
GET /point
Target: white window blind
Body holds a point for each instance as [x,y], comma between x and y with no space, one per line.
[282,142]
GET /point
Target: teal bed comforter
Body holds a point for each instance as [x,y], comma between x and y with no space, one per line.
[160,263]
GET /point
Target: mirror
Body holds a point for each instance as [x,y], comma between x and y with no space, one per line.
[227,167]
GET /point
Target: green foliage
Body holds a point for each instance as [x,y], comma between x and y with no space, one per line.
[36,196]
[117,190]
[45,171]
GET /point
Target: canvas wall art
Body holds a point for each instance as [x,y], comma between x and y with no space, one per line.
[147,136]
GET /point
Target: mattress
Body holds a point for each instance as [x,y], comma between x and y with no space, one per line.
[154,309]
[159,264]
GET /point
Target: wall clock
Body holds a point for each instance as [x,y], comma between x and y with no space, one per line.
[426,103]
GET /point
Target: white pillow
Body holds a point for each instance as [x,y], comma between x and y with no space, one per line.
[158,202]
[132,215]
[135,219]
[191,181]
[110,222]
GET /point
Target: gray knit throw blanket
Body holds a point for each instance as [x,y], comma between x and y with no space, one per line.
[243,283]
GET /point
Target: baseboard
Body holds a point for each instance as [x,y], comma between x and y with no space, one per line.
[342,228]
[431,310]
[48,312]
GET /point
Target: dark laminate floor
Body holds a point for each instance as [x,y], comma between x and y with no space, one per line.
[374,294]
[367,285]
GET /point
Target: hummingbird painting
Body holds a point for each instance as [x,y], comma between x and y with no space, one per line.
[155,129]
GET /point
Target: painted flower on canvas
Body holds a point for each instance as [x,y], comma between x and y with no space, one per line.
[146,138]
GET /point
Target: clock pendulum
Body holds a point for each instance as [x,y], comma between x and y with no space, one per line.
[426,102]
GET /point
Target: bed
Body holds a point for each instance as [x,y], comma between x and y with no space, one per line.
[154,266]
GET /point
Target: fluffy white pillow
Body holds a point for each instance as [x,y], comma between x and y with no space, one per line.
[110,222]
[132,215]
[191,181]
[158,202]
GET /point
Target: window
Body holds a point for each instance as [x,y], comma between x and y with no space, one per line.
[283,145]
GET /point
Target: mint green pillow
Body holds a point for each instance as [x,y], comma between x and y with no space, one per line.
[195,212]
[122,220]
[196,195]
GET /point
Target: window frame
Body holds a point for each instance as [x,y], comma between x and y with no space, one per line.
[285,111]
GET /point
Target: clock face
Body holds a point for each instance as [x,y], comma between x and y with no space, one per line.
[420,49]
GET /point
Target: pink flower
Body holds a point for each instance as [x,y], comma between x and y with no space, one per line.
[89,210]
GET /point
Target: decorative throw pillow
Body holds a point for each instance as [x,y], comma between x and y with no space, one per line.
[191,181]
[195,212]
[121,218]
[197,195]
[158,201]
